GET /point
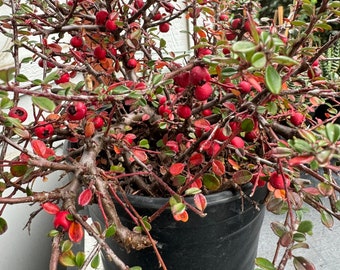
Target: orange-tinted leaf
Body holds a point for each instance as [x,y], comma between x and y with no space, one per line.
[89,129]
[39,147]
[184,217]
[140,154]
[233,163]
[196,159]
[295,161]
[75,232]
[200,201]
[176,168]
[218,167]
[85,197]
[50,208]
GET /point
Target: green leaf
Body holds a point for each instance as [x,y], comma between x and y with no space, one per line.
[258,60]
[299,237]
[178,208]
[284,60]
[111,231]
[120,90]
[264,264]
[144,143]
[211,181]
[243,46]
[21,78]
[157,78]
[333,132]
[50,77]
[66,246]
[273,80]
[67,258]
[96,261]
[7,74]
[3,226]
[135,268]
[305,226]
[44,103]
[80,258]
[278,228]
[247,125]
[6,103]
[326,219]
[192,191]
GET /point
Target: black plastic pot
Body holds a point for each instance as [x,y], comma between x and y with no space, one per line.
[226,239]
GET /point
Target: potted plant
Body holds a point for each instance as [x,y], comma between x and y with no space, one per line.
[158,141]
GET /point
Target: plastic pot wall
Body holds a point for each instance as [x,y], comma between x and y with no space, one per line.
[226,239]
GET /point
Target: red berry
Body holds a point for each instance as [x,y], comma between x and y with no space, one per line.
[199,75]
[61,222]
[236,23]
[18,113]
[183,79]
[230,35]
[315,63]
[76,42]
[251,135]
[48,64]
[111,25]
[206,112]
[157,16]
[164,27]
[277,181]
[64,78]
[100,53]
[101,17]
[131,63]
[113,51]
[260,179]
[244,86]
[297,118]
[76,111]
[203,92]
[226,51]
[164,110]
[44,130]
[139,4]
[184,111]
[223,17]
[98,122]
[237,142]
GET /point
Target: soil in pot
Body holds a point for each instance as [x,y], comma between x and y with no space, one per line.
[226,239]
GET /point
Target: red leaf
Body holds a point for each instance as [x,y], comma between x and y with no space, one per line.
[218,167]
[50,208]
[85,197]
[39,147]
[184,217]
[176,168]
[203,124]
[140,154]
[295,161]
[75,232]
[196,159]
[200,201]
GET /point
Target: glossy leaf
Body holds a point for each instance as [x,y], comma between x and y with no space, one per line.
[80,258]
[284,60]
[66,246]
[286,239]
[325,189]
[211,181]
[75,232]
[300,263]
[258,60]
[305,226]
[273,80]
[176,168]
[196,159]
[242,177]
[95,261]
[264,263]
[278,228]
[7,74]
[200,201]
[3,226]
[178,208]
[44,103]
[135,268]
[67,258]
[243,46]
[85,197]
[327,219]
[110,231]
[218,167]
[247,125]
[192,191]
[333,132]
[50,208]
